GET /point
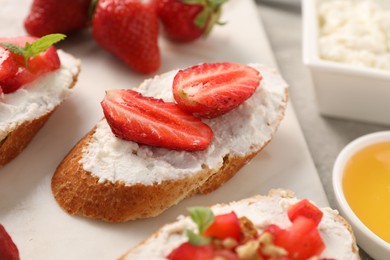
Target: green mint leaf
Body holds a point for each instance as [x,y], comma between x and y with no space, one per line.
[13,48]
[202,216]
[42,44]
[196,239]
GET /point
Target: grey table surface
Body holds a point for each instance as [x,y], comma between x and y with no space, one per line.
[325,136]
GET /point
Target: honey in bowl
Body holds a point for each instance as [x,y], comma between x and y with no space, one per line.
[366,185]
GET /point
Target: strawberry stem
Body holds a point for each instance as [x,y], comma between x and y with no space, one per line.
[210,14]
[92,8]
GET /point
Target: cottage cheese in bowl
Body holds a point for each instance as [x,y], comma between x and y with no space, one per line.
[355,32]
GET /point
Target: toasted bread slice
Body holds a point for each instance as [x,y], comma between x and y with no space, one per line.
[25,111]
[115,180]
[262,211]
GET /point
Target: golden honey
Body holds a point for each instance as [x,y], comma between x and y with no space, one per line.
[366,185]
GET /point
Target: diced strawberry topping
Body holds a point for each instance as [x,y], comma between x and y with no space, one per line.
[210,90]
[8,249]
[302,240]
[187,251]
[306,209]
[154,122]
[224,226]
[8,66]
[36,66]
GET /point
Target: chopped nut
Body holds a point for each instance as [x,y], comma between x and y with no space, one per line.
[229,243]
[268,248]
[248,230]
[248,251]
[272,250]
[217,243]
[266,238]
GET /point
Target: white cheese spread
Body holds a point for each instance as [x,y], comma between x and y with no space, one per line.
[38,97]
[355,32]
[262,212]
[239,132]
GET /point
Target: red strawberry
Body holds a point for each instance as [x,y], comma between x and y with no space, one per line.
[8,66]
[26,63]
[129,30]
[210,90]
[154,122]
[8,250]
[187,20]
[55,16]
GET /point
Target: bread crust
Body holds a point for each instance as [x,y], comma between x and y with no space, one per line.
[15,142]
[79,192]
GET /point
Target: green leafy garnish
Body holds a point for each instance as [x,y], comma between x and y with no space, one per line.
[196,239]
[35,48]
[211,12]
[203,218]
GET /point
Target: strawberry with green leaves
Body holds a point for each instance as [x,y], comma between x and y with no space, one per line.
[151,121]
[129,30]
[23,59]
[56,16]
[188,20]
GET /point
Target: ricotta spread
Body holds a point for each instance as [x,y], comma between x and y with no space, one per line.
[239,132]
[262,211]
[355,32]
[38,97]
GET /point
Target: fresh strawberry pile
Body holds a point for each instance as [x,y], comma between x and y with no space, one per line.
[127,28]
[206,90]
[23,59]
[8,249]
[236,238]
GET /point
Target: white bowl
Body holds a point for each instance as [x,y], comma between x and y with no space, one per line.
[344,90]
[368,240]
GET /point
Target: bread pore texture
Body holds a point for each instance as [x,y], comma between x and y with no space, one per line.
[116,180]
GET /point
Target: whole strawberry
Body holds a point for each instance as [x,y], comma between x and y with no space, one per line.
[8,250]
[188,20]
[129,30]
[56,16]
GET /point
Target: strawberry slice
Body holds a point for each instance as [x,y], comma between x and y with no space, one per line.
[210,90]
[8,250]
[154,122]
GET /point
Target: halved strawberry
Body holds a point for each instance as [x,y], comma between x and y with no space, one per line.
[210,90]
[151,121]
[28,67]
[8,249]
